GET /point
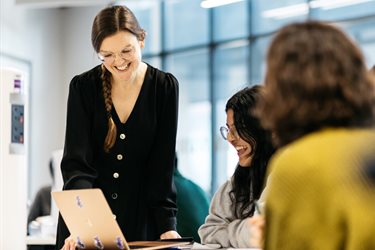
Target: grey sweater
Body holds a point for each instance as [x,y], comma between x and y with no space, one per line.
[221,225]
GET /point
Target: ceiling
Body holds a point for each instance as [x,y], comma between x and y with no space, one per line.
[60,3]
[40,4]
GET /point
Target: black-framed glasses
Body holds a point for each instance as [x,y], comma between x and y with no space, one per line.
[225,131]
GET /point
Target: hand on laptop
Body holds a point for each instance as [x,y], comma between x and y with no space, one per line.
[170,235]
[69,244]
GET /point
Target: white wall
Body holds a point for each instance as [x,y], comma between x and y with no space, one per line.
[13,159]
[33,35]
[57,44]
[79,56]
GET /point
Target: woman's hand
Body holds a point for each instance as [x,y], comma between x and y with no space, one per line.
[69,244]
[256,230]
[170,235]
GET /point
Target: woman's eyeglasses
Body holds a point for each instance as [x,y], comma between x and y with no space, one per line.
[109,57]
[225,131]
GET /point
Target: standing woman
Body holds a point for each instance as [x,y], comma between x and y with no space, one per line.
[121,132]
[230,222]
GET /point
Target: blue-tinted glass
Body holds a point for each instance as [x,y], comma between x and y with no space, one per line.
[341,10]
[230,75]
[230,68]
[231,21]
[368,50]
[148,16]
[363,32]
[269,15]
[258,59]
[186,24]
[194,125]
[153,61]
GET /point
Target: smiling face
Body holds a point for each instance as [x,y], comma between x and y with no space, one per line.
[121,55]
[243,148]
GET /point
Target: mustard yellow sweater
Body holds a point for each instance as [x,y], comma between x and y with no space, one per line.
[319,196]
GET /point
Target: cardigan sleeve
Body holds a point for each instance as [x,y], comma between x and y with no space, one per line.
[76,165]
[162,193]
[221,226]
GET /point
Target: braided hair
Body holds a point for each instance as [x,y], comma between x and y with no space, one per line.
[112,130]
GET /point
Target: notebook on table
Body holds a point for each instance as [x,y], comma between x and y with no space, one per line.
[93,226]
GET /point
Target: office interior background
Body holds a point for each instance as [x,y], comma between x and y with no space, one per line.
[213,52]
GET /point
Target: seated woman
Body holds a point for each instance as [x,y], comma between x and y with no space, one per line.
[230,222]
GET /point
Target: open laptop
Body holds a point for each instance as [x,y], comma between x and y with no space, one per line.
[93,226]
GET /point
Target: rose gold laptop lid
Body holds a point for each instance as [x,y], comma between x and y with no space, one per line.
[92,224]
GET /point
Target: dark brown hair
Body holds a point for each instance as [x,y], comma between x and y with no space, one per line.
[108,22]
[316,77]
[248,182]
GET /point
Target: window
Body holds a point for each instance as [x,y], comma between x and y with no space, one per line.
[363,33]
[216,52]
[154,61]
[186,24]
[194,126]
[231,21]
[268,15]
[230,75]
[258,59]
[148,16]
[341,10]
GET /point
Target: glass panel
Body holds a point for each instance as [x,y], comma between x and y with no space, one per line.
[153,61]
[269,15]
[194,125]
[364,33]
[258,59]
[231,21]
[186,24]
[369,52]
[148,16]
[339,10]
[230,75]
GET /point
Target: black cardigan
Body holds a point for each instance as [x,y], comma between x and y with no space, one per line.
[136,175]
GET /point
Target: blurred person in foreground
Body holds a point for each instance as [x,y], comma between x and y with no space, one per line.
[231,221]
[319,103]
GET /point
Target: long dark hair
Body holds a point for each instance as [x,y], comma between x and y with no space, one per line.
[108,22]
[248,182]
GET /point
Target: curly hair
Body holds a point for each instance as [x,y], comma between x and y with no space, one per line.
[316,77]
[248,182]
[108,22]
